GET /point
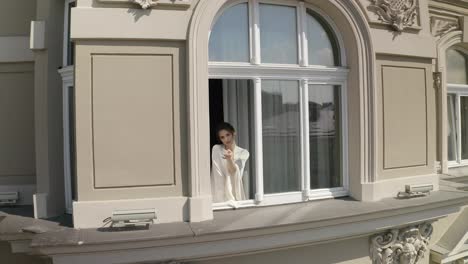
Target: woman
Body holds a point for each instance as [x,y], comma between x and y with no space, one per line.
[228,163]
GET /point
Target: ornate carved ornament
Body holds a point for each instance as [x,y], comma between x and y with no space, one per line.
[401,246]
[145,4]
[441,26]
[399,14]
[437,76]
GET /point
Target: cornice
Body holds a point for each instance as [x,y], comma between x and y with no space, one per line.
[455,7]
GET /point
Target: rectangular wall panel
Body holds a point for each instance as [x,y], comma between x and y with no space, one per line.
[404,117]
[17,155]
[133,130]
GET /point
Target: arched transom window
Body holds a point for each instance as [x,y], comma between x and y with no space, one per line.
[277,74]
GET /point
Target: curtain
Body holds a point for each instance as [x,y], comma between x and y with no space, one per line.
[324,136]
[451,128]
[239,112]
[281,136]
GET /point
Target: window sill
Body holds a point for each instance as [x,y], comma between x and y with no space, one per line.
[285,198]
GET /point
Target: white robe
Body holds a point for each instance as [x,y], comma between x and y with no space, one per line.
[226,187]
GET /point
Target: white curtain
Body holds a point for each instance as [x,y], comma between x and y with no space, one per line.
[281,136]
[324,136]
[451,128]
[238,111]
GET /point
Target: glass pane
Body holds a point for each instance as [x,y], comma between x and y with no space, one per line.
[322,44]
[70,44]
[451,128]
[281,136]
[229,38]
[324,136]
[278,34]
[232,101]
[464,127]
[456,67]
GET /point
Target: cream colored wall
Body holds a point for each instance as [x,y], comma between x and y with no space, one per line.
[129,120]
[352,251]
[16,16]
[17,156]
[406,100]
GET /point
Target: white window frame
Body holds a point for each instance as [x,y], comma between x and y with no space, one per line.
[459,90]
[306,75]
[67,72]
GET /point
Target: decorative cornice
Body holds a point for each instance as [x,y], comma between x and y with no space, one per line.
[441,26]
[399,14]
[401,246]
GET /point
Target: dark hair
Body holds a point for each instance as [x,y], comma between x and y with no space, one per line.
[224,126]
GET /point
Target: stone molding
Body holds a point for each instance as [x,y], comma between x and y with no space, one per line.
[399,14]
[401,246]
[441,26]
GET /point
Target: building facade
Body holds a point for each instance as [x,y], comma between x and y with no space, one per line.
[352,113]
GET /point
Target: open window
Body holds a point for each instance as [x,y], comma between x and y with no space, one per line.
[277,74]
[457,107]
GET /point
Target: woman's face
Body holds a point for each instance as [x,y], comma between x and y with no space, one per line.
[226,137]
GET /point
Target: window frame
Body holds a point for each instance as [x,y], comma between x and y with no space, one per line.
[67,73]
[306,75]
[458,90]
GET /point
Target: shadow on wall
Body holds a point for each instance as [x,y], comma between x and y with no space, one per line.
[8,257]
[352,251]
[138,13]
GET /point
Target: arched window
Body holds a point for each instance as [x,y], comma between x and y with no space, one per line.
[457,107]
[277,74]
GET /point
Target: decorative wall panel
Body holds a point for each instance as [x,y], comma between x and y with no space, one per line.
[132,100]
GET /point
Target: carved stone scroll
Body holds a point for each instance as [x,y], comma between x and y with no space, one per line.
[441,26]
[399,14]
[401,246]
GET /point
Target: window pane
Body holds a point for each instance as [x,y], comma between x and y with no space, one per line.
[324,136]
[278,34]
[70,44]
[322,44]
[281,136]
[229,38]
[456,67]
[464,126]
[232,101]
[451,128]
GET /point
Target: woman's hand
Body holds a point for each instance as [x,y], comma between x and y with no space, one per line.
[229,155]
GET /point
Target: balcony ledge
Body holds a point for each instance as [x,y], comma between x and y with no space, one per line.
[243,231]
